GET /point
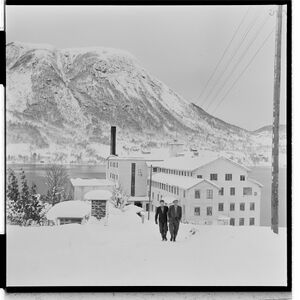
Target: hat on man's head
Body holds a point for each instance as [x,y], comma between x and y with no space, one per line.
[176,200]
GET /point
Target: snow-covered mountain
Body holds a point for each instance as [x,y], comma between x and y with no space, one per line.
[71,97]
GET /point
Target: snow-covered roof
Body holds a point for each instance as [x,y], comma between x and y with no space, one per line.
[184,182]
[137,158]
[69,209]
[184,163]
[98,195]
[91,182]
[256,182]
[191,163]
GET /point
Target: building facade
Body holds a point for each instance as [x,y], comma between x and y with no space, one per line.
[130,174]
[218,188]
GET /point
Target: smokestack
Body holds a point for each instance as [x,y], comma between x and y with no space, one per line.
[113,140]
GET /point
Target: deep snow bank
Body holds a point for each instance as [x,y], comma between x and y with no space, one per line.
[127,252]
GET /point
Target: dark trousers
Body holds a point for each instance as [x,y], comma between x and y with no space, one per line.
[173,227]
[163,228]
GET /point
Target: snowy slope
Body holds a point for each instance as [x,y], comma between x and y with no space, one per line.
[127,252]
[71,97]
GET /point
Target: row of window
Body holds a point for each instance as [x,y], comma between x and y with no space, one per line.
[247,191]
[175,172]
[221,208]
[113,164]
[209,194]
[113,176]
[228,177]
[242,221]
[166,187]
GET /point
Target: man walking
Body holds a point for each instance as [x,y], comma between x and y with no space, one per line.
[174,216]
[162,214]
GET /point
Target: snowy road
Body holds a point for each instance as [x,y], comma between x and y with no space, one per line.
[127,252]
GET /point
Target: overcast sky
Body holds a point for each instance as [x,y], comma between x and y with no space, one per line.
[180,45]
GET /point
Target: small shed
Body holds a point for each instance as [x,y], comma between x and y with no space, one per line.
[98,199]
[67,212]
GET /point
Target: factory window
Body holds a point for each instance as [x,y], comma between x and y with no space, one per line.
[247,191]
[209,211]
[228,177]
[232,206]
[196,211]
[209,194]
[214,176]
[242,221]
[232,191]
[199,176]
[251,221]
[232,221]
[242,178]
[221,191]
[221,207]
[242,206]
[252,206]
[197,194]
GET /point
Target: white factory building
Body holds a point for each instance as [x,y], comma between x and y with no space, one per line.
[210,190]
[130,174]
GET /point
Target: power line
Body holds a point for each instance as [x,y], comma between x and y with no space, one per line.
[224,52]
[249,28]
[239,60]
[243,71]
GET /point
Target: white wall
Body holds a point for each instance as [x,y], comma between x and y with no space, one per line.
[220,167]
[124,175]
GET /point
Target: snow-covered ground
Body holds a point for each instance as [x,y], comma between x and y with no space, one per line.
[128,252]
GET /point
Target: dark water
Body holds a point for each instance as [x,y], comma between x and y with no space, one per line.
[36,173]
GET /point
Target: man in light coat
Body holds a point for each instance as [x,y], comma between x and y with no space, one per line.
[174,217]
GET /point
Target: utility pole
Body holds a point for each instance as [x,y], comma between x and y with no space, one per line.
[150,184]
[276,107]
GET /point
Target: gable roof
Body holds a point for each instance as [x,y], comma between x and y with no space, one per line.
[184,182]
[192,163]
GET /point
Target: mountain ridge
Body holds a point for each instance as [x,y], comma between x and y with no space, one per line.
[71,97]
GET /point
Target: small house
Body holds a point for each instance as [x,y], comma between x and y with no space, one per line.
[68,212]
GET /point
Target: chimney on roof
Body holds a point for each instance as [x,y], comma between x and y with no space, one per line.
[113,140]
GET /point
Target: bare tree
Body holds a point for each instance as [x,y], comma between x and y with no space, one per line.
[57,181]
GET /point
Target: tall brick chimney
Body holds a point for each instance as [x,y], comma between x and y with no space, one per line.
[113,140]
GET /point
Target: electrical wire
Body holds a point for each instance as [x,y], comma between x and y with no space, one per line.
[243,71]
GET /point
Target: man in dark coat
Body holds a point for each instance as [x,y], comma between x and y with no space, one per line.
[162,214]
[174,216]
